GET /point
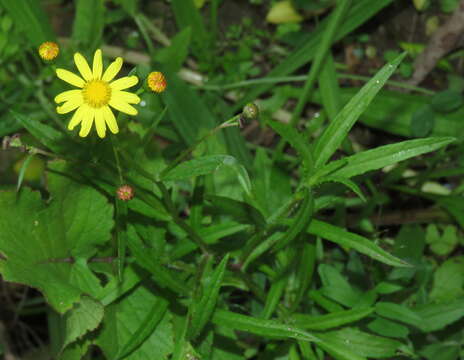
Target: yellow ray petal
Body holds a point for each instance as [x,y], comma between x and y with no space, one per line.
[112,70]
[69,105]
[100,123]
[123,107]
[110,119]
[70,77]
[69,95]
[87,122]
[97,64]
[125,96]
[78,116]
[124,82]
[83,67]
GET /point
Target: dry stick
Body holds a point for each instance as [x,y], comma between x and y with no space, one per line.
[442,41]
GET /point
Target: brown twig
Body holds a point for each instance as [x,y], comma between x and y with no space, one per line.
[442,41]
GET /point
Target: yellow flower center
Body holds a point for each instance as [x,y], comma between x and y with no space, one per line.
[96,93]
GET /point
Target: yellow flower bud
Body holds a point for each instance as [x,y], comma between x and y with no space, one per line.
[156,81]
[49,50]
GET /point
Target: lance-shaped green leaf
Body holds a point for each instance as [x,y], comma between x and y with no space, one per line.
[300,222]
[41,242]
[274,329]
[337,130]
[362,343]
[357,242]
[203,309]
[329,321]
[209,164]
[389,154]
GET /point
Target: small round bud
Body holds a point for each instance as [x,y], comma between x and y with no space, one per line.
[125,192]
[250,111]
[49,50]
[156,81]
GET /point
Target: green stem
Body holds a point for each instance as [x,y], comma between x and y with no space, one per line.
[299,78]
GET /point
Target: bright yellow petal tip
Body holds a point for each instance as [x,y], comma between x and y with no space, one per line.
[49,50]
[156,82]
[96,93]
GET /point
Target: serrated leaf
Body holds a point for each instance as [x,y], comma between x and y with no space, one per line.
[41,242]
[336,132]
[85,316]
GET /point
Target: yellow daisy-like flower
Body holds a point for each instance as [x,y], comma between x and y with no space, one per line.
[97,92]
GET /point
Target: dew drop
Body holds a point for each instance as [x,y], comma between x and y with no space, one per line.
[143,103]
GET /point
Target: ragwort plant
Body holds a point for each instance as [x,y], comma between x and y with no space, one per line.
[145,255]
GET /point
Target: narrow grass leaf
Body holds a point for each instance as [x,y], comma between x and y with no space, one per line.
[88,23]
[359,13]
[321,52]
[389,154]
[188,15]
[31,19]
[23,170]
[357,242]
[337,130]
[147,326]
[329,89]
[203,310]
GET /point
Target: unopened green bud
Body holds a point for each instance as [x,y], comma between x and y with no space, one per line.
[250,111]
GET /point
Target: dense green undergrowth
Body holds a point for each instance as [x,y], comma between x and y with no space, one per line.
[230,249]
